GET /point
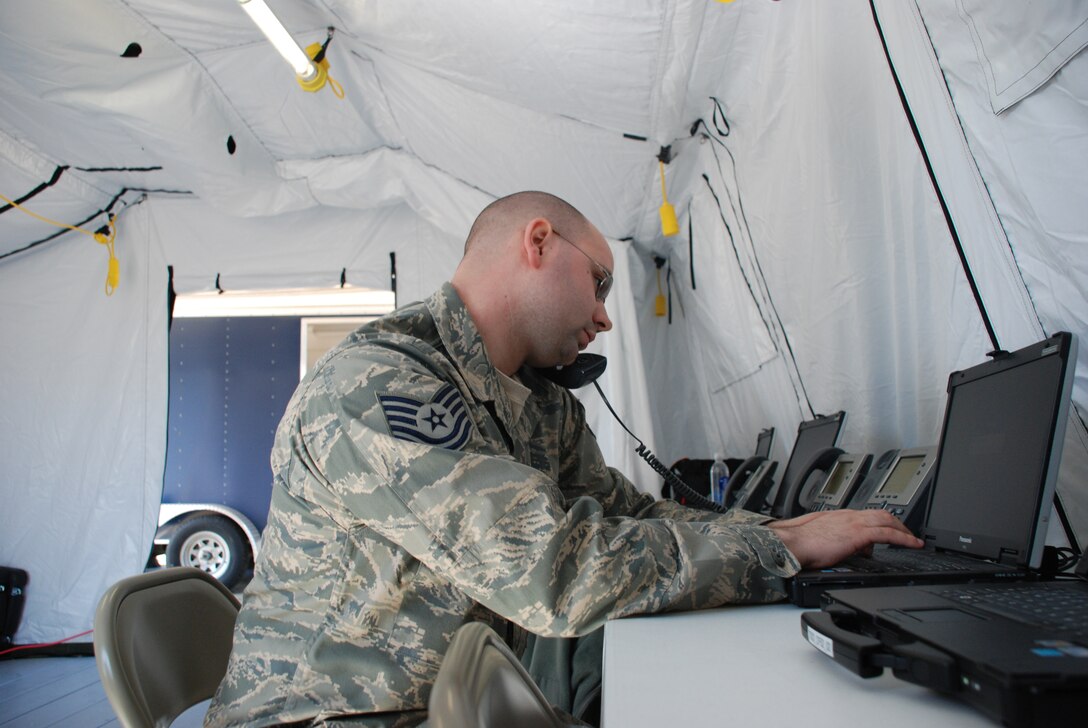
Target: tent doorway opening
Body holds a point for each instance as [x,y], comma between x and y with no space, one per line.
[235,360]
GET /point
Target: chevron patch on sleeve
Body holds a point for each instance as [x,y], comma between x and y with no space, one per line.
[442,422]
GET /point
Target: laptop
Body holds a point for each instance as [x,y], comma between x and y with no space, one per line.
[764,440]
[1018,652]
[992,493]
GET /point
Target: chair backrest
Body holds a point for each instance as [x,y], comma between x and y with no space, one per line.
[162,640]
[481,684]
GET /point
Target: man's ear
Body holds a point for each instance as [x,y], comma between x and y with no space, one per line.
[535,235]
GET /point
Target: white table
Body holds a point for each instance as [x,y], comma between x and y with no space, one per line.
[750,666]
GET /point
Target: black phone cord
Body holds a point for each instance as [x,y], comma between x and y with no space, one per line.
[679,487]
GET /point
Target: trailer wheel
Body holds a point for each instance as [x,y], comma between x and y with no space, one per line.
[210,543]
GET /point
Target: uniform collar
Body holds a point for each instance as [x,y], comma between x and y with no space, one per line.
[463,342]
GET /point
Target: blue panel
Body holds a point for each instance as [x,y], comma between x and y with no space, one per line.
[230,380]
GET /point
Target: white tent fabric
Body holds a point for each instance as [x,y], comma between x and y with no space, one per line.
[815,269]
[1013,170]
[83,393]
[849,296]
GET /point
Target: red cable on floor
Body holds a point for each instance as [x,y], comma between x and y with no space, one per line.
[43,644]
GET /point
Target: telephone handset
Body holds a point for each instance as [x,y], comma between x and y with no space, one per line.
[898,483]
[751,470]
[821,461]
[835,489]
[740,476]
[582,371]
[752,494]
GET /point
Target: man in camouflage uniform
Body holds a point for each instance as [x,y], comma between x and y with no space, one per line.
[425,475]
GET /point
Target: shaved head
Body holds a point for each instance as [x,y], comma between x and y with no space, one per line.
[506,215]
[529,279]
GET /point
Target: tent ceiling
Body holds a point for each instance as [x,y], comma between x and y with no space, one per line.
[207,108]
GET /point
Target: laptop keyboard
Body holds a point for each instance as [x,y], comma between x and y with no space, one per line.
[911,560]
[1058,606]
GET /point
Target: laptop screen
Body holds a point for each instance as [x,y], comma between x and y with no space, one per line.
[763,442]
[997,467]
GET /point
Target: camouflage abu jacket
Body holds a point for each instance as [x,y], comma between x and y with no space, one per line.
[407,500]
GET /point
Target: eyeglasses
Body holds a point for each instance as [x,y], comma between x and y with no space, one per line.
[601,274]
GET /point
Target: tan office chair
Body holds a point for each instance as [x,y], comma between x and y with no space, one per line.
[161,643]
[481,684]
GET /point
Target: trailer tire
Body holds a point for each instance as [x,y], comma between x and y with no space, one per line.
[210,543]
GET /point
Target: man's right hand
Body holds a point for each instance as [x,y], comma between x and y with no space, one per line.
[825,538]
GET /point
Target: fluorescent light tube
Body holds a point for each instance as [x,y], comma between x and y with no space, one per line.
[273,29]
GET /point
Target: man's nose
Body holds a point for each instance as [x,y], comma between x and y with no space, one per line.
[601,318]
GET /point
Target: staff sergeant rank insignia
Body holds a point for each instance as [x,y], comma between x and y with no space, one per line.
[442,422]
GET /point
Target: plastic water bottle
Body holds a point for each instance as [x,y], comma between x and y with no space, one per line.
[719,479]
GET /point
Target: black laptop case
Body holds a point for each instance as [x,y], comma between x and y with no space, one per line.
[1016,651]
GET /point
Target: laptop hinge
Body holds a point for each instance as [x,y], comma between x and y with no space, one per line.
[1009,556]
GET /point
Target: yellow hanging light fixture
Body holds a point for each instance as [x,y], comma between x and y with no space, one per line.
[310,66]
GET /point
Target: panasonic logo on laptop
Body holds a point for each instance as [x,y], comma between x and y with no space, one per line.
[965,539]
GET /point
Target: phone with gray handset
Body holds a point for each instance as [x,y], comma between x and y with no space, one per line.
[838,483]
[898,483]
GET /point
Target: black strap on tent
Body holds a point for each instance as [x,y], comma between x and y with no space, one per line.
[119,169]
[691,248]
[668,290]
[171,298]
[936,187]
[393,276]
[104,211]
[40,188]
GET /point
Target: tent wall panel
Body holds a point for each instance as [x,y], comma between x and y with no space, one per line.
[841,244]
[83,397]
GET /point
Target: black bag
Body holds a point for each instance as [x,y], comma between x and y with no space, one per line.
[12,598]
[695,473]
